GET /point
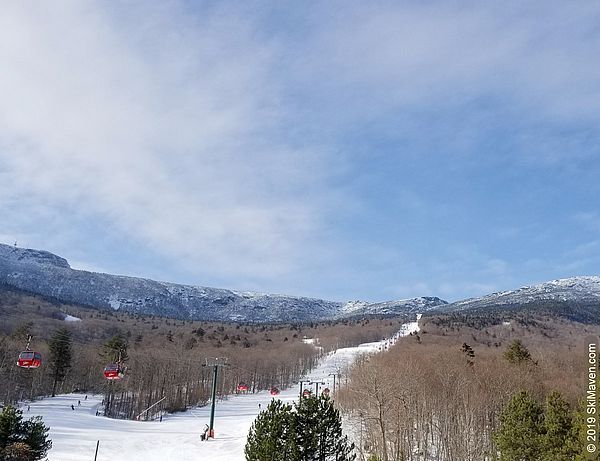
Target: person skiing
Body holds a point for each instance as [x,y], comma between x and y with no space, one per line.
[79,403]
[72,407]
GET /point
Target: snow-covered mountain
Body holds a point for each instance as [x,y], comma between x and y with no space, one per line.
[411,306]
[48,275]
[577,298]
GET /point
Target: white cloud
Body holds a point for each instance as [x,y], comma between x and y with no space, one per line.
[167,127]
[222,139]
[454,73]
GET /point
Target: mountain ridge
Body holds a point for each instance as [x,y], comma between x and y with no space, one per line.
[46,274]
[49,275]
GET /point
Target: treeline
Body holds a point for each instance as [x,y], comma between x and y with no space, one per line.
[440,394]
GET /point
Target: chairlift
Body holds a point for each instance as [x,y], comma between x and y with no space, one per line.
[274,391]
[243,387]
[29,359]
[114,372]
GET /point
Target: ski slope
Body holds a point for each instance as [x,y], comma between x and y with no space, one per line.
[74,433]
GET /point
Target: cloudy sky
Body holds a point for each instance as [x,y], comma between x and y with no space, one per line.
[344,150]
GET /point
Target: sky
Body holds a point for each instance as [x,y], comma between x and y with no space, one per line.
[341,150]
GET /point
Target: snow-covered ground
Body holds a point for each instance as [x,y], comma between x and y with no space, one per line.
[74,432]
[70,318]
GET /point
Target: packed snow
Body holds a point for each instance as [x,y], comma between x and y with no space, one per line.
[75,428]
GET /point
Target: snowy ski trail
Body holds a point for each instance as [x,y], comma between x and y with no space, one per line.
[74,432]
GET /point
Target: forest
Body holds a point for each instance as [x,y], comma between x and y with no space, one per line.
[458,387]
[164,359]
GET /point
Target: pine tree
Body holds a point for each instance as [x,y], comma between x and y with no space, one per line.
[307,414]
[313,432]
[319,431]
[115,349]
[272,435]
[60,356]
[516,353]
[469,354]
[22,440]
[520,435]
[578,438]
[36,437]
[559,439]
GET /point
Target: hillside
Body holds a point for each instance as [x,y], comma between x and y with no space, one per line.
[51,276]
[48,275]
[575,298]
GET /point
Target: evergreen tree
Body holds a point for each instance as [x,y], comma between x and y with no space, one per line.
[307,414]
[516,353]
[313,432]
[319,431]
[559,439]
[22,440]
[578,437]
[272,435]
[115,349]
[520,435]
[469,354]
[60,356]
[36,437]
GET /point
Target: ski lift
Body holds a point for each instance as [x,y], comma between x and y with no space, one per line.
[326,392]
[306,393]
[274,391]
[114,372]
[243,387]
[28,358]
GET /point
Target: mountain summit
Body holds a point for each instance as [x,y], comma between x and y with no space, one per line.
[575,298]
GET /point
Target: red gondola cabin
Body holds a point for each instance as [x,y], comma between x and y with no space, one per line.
[243,387]
[29,359]
[274,391]
[113,371]
[326,392]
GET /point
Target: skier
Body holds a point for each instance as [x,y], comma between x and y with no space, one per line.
[259,406]
[85,398]
[79,403]
[72,407]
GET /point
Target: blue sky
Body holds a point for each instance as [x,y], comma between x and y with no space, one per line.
[343,150]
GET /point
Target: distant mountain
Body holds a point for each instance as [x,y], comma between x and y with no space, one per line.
[48,275]
[410,306]
[575,298]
